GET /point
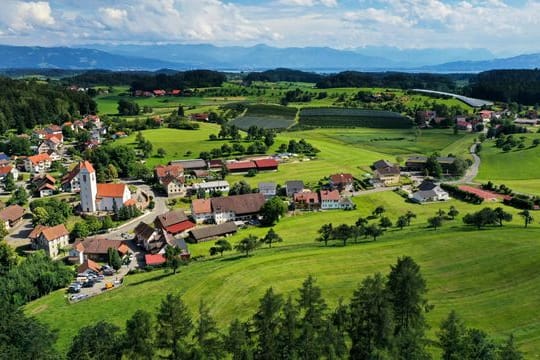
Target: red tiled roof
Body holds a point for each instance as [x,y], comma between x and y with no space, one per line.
[152,260]
[266,163]
[174,170]
[201,206]
[241,165]
[100,246]
[180,227]
[34,234]
[4,170]
[341,178]
[307,197]
[329,195]
[36,159]
[57,138]
[176,92]
[130,202]
[88,265]
[54,232]
[110,190]
[12,213]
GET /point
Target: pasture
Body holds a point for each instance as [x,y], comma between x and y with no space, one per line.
[484,275]
[347,117]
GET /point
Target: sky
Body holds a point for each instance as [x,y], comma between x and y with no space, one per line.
[501,26]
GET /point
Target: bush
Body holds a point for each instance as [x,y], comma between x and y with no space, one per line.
[459,194]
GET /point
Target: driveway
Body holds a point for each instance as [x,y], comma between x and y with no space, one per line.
[472,171]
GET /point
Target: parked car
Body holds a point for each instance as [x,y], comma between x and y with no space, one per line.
[88,284]
[74,289]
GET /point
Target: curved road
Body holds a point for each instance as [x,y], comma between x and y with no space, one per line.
[472,171]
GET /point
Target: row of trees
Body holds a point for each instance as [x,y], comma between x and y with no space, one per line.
[384,319]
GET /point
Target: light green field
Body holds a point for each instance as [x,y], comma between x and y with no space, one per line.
[517,169]
[485,275]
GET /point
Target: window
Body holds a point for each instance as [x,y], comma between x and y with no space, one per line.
[84,178]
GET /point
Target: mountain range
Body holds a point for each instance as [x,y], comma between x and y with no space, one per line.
[258,57]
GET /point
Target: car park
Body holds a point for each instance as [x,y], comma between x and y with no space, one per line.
[88,284]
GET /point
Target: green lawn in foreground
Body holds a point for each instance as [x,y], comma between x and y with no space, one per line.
[487,276]
[517,168]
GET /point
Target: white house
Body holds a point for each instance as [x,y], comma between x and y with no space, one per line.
[38,163]
[268,189]
[172,178]
[429,191]
[201,210]
[330,199]
[5,170]
[50,238]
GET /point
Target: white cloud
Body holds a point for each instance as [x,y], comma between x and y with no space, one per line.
[112,16]
[309,3]
[20,16]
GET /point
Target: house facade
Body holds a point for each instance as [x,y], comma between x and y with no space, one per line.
[51,239]
[38,163]
[201,210]
[213,186]
[268,189]
[172,178]
[330,199]
[307,200]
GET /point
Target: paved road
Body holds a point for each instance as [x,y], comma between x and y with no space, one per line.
[472,171]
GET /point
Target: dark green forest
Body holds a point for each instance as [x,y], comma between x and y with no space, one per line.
[520,86]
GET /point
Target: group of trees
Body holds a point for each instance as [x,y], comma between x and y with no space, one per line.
[50,212]
[522,86]
[299,147]
[437,220]
[488,216]
[247,244]
[384,319]
[91,225]
[128,108]
[122,157]
[27,103]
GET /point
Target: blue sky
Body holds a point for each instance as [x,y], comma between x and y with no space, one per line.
[502,26]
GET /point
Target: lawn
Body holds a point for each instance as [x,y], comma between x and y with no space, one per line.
[485,275]
[517,169]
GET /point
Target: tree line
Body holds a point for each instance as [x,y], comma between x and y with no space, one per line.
[385,318]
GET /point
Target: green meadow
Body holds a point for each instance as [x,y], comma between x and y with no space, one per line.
[487,276]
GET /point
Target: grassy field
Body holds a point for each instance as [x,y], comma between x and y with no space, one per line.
[517,169]
[332,117]
[484,275]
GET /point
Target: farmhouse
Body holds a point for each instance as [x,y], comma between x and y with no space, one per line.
[306,200]
[294,186]
[95,249]
[236,207]
[330,199]
[38,163]
[150,239]
[173,222]
[172,178]
[11,215]
[268,189]
[70,181]
[342,182]
[201,210]
[213,231]
[44,185]
[428,191]
[50,239]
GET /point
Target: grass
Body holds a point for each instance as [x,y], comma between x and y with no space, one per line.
[267,117]
[517,169]
[484,275]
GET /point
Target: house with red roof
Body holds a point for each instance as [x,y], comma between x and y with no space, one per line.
[111,196]
[463,124]
[38,163]
[11,215]
[241,166]
[95,248]
[201,210]
[5,170]
[342,182]
[330,199]
[307,200]
[51,239]
[174,222]
[154,259]
[266,164]
[171,177]
[44,185]
[159,92]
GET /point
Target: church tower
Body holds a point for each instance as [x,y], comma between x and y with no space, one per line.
[88,183]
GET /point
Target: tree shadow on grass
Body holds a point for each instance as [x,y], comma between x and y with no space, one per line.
[236,257]
[156,278]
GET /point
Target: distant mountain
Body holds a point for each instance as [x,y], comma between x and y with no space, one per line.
[258,57]
[20,57]
[529,61]
[426,56]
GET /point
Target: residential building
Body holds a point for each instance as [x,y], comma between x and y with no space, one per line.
[51,239]
[5,170]
[268,189]
[345,203]
[201,210]
[173,222]
[429,191]
[154,259]
[89,266]
[294,186]
[306,200]
[149,238]
[212,186]
[342,182]
[44,185]
[70,181]
[172,178]
[199,117]
[236,207]
[37,163]
[212,232]
[11,215]
[330,199]
[95,249]
[386,172]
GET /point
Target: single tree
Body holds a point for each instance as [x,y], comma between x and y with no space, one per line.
[139,336]
[89,343]
[401,222]
[173,326]
[114,258]
[478,345]
[271,237]
[325,233]
[247,244]
[362,221]
[9,183]
[272,211]
[238,341]
[452,337]
[527,217]
[208,343]
[312,309]
[287,331]
[385,222]
[441,213]
[509,350]
[502,215]
[453,212]
[410,215]
[265,325]
[220,246]
[379,210]
[342,232]
[161,152]
[374,231]
[435,222]
[172,257]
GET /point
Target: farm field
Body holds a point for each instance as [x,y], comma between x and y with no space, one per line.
[517,169]
[484,275]
[266,117]
[343,117]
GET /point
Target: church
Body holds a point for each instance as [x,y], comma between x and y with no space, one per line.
[100,197]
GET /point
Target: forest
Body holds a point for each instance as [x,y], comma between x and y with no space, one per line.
[27,103]
[521,86]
